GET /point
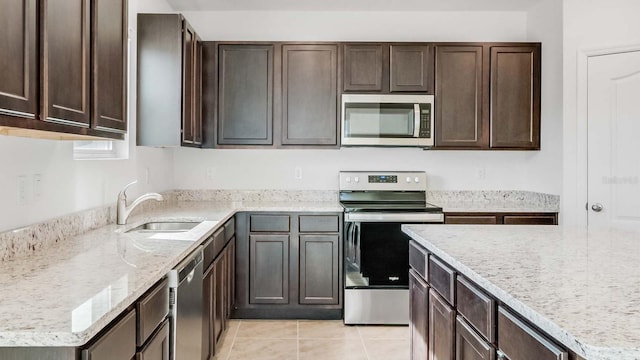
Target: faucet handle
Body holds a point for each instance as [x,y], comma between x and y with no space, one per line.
[122,194]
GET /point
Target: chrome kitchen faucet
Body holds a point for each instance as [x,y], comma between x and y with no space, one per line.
[123,210]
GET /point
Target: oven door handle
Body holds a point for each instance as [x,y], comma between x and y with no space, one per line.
[416,217]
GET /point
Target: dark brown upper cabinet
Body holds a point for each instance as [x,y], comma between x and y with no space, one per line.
[18,59]
[515,97]
[66,54]
[64,69]
[460,120]
[388,68]
[310,95]
[192,87]
[364,67]
[169,97]
[245,94]
[110,39]
[411,68]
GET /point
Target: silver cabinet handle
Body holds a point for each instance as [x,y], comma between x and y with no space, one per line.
[597,207]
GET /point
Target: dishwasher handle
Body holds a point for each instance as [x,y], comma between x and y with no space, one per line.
[186,268]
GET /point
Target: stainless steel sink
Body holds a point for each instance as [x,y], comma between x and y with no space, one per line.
[164,227]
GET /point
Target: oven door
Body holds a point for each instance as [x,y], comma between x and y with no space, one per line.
[376,249]
[377,266]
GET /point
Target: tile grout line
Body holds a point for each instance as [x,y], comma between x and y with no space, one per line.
[233,339]
[298,339]
[366,352]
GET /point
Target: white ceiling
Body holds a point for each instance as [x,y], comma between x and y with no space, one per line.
[353,5]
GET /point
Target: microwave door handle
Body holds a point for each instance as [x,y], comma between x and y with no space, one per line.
[416,120]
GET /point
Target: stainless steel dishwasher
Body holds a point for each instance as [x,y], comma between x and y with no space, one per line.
[185,303]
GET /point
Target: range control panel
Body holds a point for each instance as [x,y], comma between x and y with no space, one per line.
[383,179]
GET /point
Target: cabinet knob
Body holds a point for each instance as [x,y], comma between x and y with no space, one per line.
[597,207]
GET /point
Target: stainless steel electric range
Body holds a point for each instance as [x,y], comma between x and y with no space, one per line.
[376,254]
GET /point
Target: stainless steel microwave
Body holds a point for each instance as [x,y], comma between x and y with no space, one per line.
[387,120]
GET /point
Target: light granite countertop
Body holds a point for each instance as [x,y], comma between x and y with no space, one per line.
[581,286]
[64,295]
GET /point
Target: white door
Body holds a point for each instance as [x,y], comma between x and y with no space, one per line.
[614,140]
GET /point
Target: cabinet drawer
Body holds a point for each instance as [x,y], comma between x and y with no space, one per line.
[269,223]
[152,309]
[418,259]
[230,229]
[442,279]
[469,345]
[158,346]
[529,220]
[118,343]
[209,252]
[471,220]
[518,341]
[319,223]
[477,308]
[218,241]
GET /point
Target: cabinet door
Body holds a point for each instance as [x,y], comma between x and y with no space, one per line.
[231,276]
[208,340]
[110,42]
[411,69]
[219,321]
[530,220]
[319,269]
[471,219]
[364,67]
[197,78]
[470,346]
[309,94]
[118,343]
[459,98]
[269,269]
[18,38]
[418,316]
[518,341]
[515,97]
[441,328]
[245,95]
[188,83]
[158,347]
[65,61]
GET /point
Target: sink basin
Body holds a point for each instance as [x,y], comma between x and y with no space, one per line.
[164,227]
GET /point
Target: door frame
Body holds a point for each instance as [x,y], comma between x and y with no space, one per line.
[582,113]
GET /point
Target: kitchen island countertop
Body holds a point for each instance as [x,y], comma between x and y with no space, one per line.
[581,286]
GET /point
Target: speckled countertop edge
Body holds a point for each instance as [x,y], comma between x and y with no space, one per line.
[587,351]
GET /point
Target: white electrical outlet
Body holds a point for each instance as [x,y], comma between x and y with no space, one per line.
[210,173]
[22,190]
[482,173]
[298,173]
[37,187]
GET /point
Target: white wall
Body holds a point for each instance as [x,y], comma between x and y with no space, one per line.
[544,24]
[244,169]
[588,25]
[69,185]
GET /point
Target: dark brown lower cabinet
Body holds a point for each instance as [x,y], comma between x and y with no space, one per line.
[208,343]
[231,276]
[501,218]
[418,315]
[319,269]
[219,312]
[158,347]
[518,341]
[469,345]
[442,319]
[269,269]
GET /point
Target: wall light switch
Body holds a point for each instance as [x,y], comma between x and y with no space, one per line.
[210,173]
[298,173]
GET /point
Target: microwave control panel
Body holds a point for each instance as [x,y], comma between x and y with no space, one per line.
[425,121]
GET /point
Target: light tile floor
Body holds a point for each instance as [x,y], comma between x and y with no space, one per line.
[312,339]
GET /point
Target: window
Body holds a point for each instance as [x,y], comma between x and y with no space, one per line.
[101,149]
